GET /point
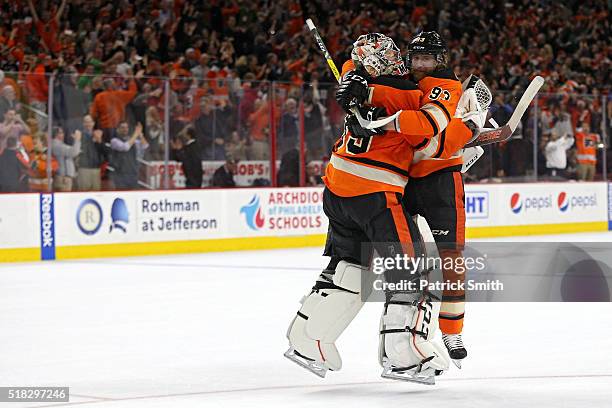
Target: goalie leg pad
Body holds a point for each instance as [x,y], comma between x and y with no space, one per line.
[408,325]
[407,349]
[325,313]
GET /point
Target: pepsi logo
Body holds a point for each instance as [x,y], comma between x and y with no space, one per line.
[563,201]
[516,204]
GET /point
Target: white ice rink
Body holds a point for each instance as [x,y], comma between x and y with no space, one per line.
[209,331]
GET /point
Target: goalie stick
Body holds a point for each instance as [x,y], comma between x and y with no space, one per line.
[503,133]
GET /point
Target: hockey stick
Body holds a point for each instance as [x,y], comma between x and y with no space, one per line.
[323,48]
[366,124]
[503,133]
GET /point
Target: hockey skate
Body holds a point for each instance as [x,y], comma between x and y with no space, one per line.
[455,347]
[307,363]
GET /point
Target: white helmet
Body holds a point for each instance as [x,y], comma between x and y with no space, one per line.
[378,55]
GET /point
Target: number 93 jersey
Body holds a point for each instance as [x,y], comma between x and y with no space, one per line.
[360,166]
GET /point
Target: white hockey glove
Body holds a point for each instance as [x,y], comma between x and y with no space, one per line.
[474,104]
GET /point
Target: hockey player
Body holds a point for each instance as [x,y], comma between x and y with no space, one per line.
[364,182]
[435,189]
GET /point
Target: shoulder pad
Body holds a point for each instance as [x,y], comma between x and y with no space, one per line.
[396,82]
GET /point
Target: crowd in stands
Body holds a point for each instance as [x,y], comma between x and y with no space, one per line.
[216,80]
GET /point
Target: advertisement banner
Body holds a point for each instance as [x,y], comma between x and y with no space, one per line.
[247,172]
[54,221]
[19,221]
[114,217]
[274,212]
[541,203]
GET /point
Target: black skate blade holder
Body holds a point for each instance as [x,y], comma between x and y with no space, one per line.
[306,363]
[409,374]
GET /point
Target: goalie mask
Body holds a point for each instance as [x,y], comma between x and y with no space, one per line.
[428,43]
[378,55]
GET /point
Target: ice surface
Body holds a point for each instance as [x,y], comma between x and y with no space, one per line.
[209,331]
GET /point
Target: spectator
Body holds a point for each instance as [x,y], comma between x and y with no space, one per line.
[314,133]
[210,130]
[200,71]
[48,27]
[13,170]
[154,134]
[313,178]
[586,152]
[13,126]
[236,147]
[288,132]
[4,80]
[91,158]
[38,87]
[69,103]
[500,110]
[65,155]
[38,165]
[188,153]
[289,171]
[7,100]
[224,175]
[556,153]
[562,124]
[259,130]
[126,151]
[547,118]
[108,107]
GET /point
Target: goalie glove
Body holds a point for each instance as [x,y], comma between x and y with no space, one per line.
[369,114]
[474,104]
[352,91]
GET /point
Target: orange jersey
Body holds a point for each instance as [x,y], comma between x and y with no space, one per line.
[586,146]
[361,166]
[432,118]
